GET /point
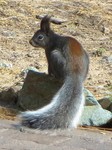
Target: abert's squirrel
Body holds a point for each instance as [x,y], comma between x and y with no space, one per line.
[67,60]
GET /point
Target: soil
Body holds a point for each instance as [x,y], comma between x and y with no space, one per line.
[90,22]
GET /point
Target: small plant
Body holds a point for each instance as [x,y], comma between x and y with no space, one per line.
[99,52]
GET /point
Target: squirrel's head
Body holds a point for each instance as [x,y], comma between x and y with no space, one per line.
[42,36]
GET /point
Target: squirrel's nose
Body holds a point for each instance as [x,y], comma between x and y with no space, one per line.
[31,42]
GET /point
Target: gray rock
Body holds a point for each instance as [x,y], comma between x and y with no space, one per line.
[110,107]
[37,91]
[90,99]
[109,59]
[5,65]
[106,103]
[8,33]
[39,88]
[25,71]
[95,116]
[9,96]
[108,92]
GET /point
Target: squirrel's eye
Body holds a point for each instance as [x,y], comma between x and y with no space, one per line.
[40,37]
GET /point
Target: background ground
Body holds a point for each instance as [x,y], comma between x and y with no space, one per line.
[88,21]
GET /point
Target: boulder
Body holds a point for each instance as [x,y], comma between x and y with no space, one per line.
[95,116]
[37,91]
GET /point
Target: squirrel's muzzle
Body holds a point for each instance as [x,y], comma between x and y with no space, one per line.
[33,43]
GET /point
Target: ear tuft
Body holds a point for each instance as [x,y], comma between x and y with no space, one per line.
[45,24]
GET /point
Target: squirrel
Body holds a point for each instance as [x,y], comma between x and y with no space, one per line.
[67,60]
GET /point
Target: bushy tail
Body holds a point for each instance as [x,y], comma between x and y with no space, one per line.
[64,111]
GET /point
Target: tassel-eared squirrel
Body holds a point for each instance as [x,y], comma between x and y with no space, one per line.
[68,61]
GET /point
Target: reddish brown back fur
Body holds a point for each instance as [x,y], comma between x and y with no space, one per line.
[75,47]
[76,52]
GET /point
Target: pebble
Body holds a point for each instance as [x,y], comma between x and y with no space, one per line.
[8,33]
[5,65]
[25,71]
[109,59]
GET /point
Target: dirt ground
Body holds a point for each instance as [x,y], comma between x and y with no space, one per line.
[88,21]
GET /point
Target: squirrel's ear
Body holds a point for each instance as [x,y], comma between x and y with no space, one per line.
[45,24]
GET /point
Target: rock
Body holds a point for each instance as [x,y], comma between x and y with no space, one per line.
[95,116]
[5,65]
[8,33]
[25,71]
[9,96]
[90,99]
[106,103]
[14,18]
[37,91]
[39,88]
[109,59]
[110,107]
[108,92]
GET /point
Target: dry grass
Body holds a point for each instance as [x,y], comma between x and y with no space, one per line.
[7,113]
[85,20]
